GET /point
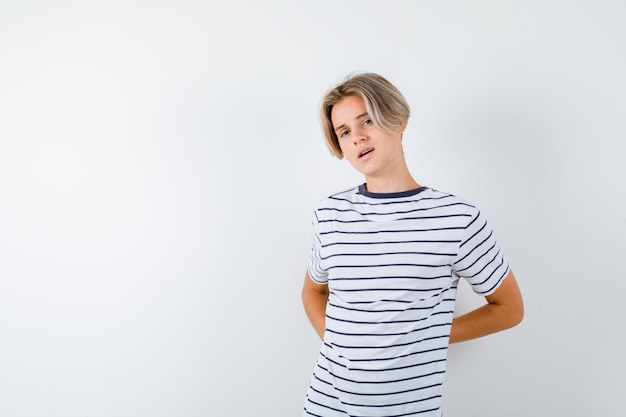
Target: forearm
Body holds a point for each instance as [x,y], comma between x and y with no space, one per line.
[315,308]
[505,309]
[488,319]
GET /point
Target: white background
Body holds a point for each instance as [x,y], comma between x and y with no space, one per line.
[160,161]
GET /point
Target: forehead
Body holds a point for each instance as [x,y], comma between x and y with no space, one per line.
[347,109]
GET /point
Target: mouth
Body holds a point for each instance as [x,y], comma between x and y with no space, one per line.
[365,152]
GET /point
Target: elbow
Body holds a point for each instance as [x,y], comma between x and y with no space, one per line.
[518,318]
[516,315]
[519,310]
[304,295]
[509,315]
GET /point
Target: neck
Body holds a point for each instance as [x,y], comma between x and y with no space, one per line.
[391,184]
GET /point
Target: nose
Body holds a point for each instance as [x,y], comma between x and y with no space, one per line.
[358,135]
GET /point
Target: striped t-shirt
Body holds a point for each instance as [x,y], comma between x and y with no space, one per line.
[392,263]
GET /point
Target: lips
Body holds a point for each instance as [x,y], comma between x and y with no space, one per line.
[365,152]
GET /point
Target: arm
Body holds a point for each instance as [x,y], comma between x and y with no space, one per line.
[504,309]
[314,299]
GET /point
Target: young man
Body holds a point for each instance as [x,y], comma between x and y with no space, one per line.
[384,267]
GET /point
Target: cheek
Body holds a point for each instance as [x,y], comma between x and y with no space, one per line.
[354,161]
[342,147]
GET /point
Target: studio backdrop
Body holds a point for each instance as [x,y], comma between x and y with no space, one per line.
[160,162]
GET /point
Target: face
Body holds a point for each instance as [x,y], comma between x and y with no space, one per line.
[369,150]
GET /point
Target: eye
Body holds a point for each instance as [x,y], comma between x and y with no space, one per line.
[343,133]
[367,122]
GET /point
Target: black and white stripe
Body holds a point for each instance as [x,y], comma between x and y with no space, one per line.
[392,263]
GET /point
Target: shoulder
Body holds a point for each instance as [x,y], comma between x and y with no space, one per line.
[342,201]
[341,198]
[446,200]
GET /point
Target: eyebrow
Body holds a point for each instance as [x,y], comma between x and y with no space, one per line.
[344,125]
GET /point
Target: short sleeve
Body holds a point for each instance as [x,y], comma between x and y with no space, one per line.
[316,270]
[480,261]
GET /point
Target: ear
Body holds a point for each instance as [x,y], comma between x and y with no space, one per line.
[402,128]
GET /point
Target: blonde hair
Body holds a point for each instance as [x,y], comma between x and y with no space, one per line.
[384,103]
